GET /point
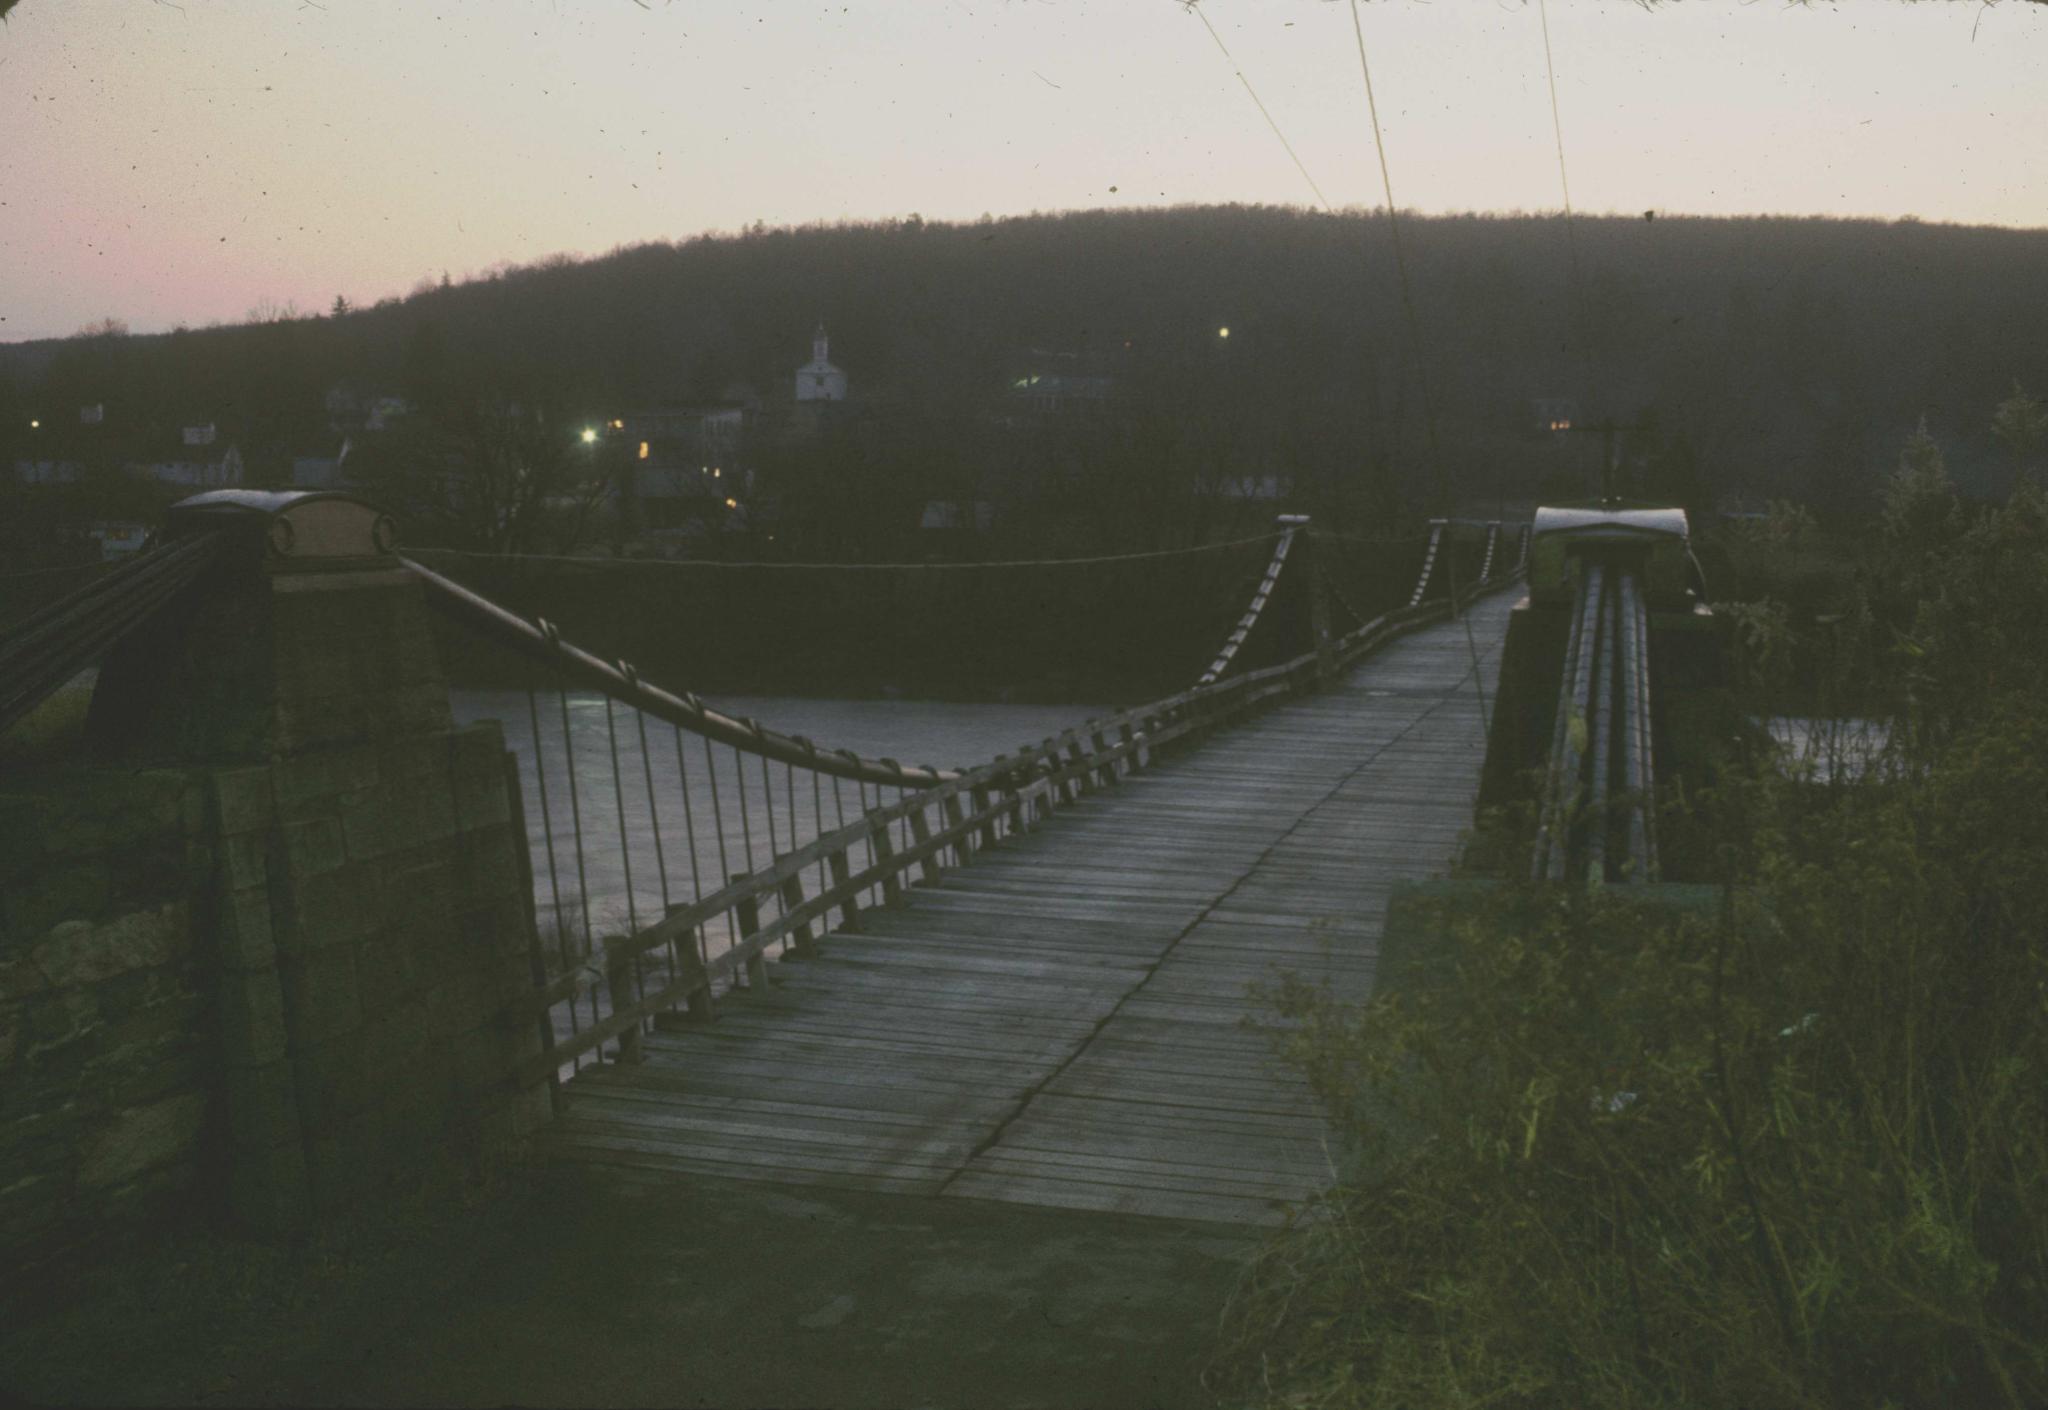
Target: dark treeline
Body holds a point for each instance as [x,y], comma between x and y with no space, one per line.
[1773,357]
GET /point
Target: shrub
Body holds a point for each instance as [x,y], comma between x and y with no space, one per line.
[1786,1149]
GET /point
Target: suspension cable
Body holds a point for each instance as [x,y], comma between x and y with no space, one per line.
[694,563]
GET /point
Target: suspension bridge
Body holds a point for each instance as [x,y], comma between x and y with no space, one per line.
[1050,1002]
[1034,980]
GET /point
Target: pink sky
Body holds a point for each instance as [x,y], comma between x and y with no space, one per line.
[183,163]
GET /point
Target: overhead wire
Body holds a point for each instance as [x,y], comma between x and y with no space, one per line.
[1194,7]
[1571,242]
[1438,485]
[1409,316]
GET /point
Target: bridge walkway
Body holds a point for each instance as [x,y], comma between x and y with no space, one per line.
[1062,1023]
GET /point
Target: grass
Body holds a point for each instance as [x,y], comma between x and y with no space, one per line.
[54,730]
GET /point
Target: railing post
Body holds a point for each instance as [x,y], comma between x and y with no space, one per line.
[698,1006]
[950,809]
[988,827]
[799,938]
[1020,814]
[1083,778]
[1105,770]
[921,833]
[618,979]
[885,854]
[748,914]
[842,876]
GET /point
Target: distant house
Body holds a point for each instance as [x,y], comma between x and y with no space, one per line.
[818,379]
[47,472]
[1552,414]
[118,539]
[1261,487]
[1050,384]
[194,463]
[681,464]
[349,410]
[956,516]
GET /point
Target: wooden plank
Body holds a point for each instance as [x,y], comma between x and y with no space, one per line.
[1065,1023]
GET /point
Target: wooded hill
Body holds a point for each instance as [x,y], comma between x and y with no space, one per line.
[1777,357]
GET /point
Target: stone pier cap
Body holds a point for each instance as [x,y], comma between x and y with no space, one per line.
[302,529]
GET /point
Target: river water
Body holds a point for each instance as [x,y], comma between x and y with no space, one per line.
[637,826]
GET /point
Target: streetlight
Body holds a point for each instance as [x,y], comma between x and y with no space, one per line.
[1223,332]
[589,435]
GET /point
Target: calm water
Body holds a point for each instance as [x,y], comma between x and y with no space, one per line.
[706,816]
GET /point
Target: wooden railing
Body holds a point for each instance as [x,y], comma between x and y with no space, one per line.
[959,815]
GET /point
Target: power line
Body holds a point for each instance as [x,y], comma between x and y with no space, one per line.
[1195,7]
[1436,462]
[1571,242]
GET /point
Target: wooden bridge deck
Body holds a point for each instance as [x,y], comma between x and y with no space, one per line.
[1060,1023]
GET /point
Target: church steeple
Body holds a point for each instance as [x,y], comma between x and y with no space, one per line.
[819,380]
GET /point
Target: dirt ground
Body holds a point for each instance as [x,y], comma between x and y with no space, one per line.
[609,1288]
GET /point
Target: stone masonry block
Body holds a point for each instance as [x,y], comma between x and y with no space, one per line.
[491,859]
[245,858]
[398,816]
[342,907]
[142,1137]
[77,891]
[333,1083]
[78,953]
[252,1019]
[476,761]
[388,969]
[243,798]
[314,846]
[268,1191]
[262,1106]
[247,941]
[321,996]
[462,1003]
[429,887]
[481,1061]
[413,1122]
[396,1036]
[309,785]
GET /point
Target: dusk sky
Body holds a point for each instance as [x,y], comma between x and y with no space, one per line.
[181,163]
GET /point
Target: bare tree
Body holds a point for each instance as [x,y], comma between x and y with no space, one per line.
[489,473]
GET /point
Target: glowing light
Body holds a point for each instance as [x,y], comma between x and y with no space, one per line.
[1223,332]
[715,472]
[589,434]
[618,425]
[643,450]
[732,503]
[34,425]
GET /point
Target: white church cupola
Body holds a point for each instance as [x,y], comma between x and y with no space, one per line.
[819,380]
